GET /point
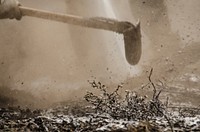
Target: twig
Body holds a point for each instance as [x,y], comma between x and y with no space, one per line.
[154,88]
[167,102]
[145,86]
[166,117]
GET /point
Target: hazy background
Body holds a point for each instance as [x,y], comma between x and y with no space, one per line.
[42,62]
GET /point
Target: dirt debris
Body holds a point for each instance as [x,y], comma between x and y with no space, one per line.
[107,112]
[16,119]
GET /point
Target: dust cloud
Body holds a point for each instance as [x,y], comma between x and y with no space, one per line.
[43,62]
[52,61]
[171,46]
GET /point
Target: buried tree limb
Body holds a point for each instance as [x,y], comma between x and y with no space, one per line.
[131,33]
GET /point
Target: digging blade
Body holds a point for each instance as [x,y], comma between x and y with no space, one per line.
[133,44]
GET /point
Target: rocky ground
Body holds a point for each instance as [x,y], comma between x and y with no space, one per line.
[104,112]
[61,119]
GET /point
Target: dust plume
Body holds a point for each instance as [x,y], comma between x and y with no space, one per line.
[50,62]
[43,62]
